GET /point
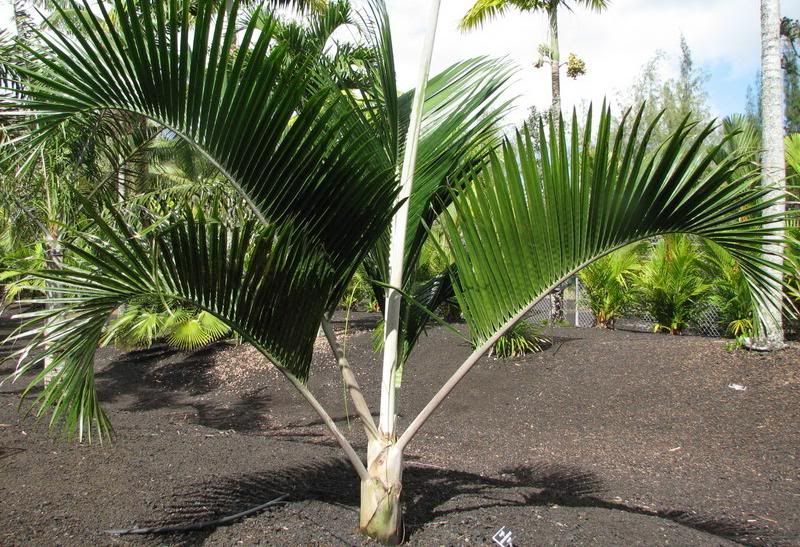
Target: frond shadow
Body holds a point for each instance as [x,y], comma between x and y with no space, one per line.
[156,377]
[431,493]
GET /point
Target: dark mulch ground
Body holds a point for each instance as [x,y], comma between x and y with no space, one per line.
[607,438]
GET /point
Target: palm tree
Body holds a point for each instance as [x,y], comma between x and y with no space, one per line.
[772,162]
[318,170]
[484,10]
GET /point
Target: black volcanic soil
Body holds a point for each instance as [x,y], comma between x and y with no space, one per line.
[606,438]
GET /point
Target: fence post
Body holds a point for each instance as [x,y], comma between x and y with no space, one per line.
[577,297]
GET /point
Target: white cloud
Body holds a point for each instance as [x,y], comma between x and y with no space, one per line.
[615,44]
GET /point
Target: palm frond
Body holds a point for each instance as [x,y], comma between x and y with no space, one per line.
[484,11]
[248,278]
[291,144]
[531,221]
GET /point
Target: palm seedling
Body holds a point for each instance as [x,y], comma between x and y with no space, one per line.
[517,341]
[730,294]
[317,169]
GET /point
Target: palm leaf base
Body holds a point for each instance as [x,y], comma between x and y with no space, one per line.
[381,514]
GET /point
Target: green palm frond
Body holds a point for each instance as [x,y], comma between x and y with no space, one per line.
[744,138]
[247,278]
[189,331]
[484,11]
[792,146]
[287,140]
[532,220]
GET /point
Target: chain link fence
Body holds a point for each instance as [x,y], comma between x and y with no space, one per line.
[577,314]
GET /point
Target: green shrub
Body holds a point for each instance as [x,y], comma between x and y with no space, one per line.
[607,284]
[359,295]
[672,283]
[521,339]
[730,292]
[142,323]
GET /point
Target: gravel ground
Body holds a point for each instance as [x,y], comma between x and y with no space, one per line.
[606,438]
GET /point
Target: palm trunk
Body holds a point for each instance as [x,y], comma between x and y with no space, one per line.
[381,514]
[555,64]
[557,296]
[773,167]
[55,261]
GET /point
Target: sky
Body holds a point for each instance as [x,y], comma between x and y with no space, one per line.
[723,35]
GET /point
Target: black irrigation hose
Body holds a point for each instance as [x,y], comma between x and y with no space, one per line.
[197,525]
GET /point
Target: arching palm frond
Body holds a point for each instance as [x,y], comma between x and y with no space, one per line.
[532,221]
[289,143]
[298,152]
[271,285]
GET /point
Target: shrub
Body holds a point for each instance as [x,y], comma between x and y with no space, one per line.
[521,339]
[730,293]
[607,284]
[672,283]
[141,324]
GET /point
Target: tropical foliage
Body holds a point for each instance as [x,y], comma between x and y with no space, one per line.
[608,284]
[672,284]
[519,340]
[524,230]
[308,145]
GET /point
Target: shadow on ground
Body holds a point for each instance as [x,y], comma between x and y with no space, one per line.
[162,377]
[432,493]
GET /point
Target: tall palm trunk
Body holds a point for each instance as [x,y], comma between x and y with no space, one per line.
[555,62]
[54,261]
[557,296]
[772,164]
[381,514]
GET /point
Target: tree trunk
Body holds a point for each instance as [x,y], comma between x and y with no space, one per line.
[557,306]
[557,296]
[772,164]
[381,514]
[54,260]
[555,63]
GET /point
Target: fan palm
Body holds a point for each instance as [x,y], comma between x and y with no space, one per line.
[317,168]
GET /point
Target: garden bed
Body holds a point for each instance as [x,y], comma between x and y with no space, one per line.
[605,438]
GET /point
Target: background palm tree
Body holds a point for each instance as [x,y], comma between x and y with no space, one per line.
[485,10]
[773,165]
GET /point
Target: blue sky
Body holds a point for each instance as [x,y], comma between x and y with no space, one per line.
[724,36]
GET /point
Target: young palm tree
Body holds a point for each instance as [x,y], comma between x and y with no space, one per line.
[772,162]
[608,284]
[318,169]
[485,10]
